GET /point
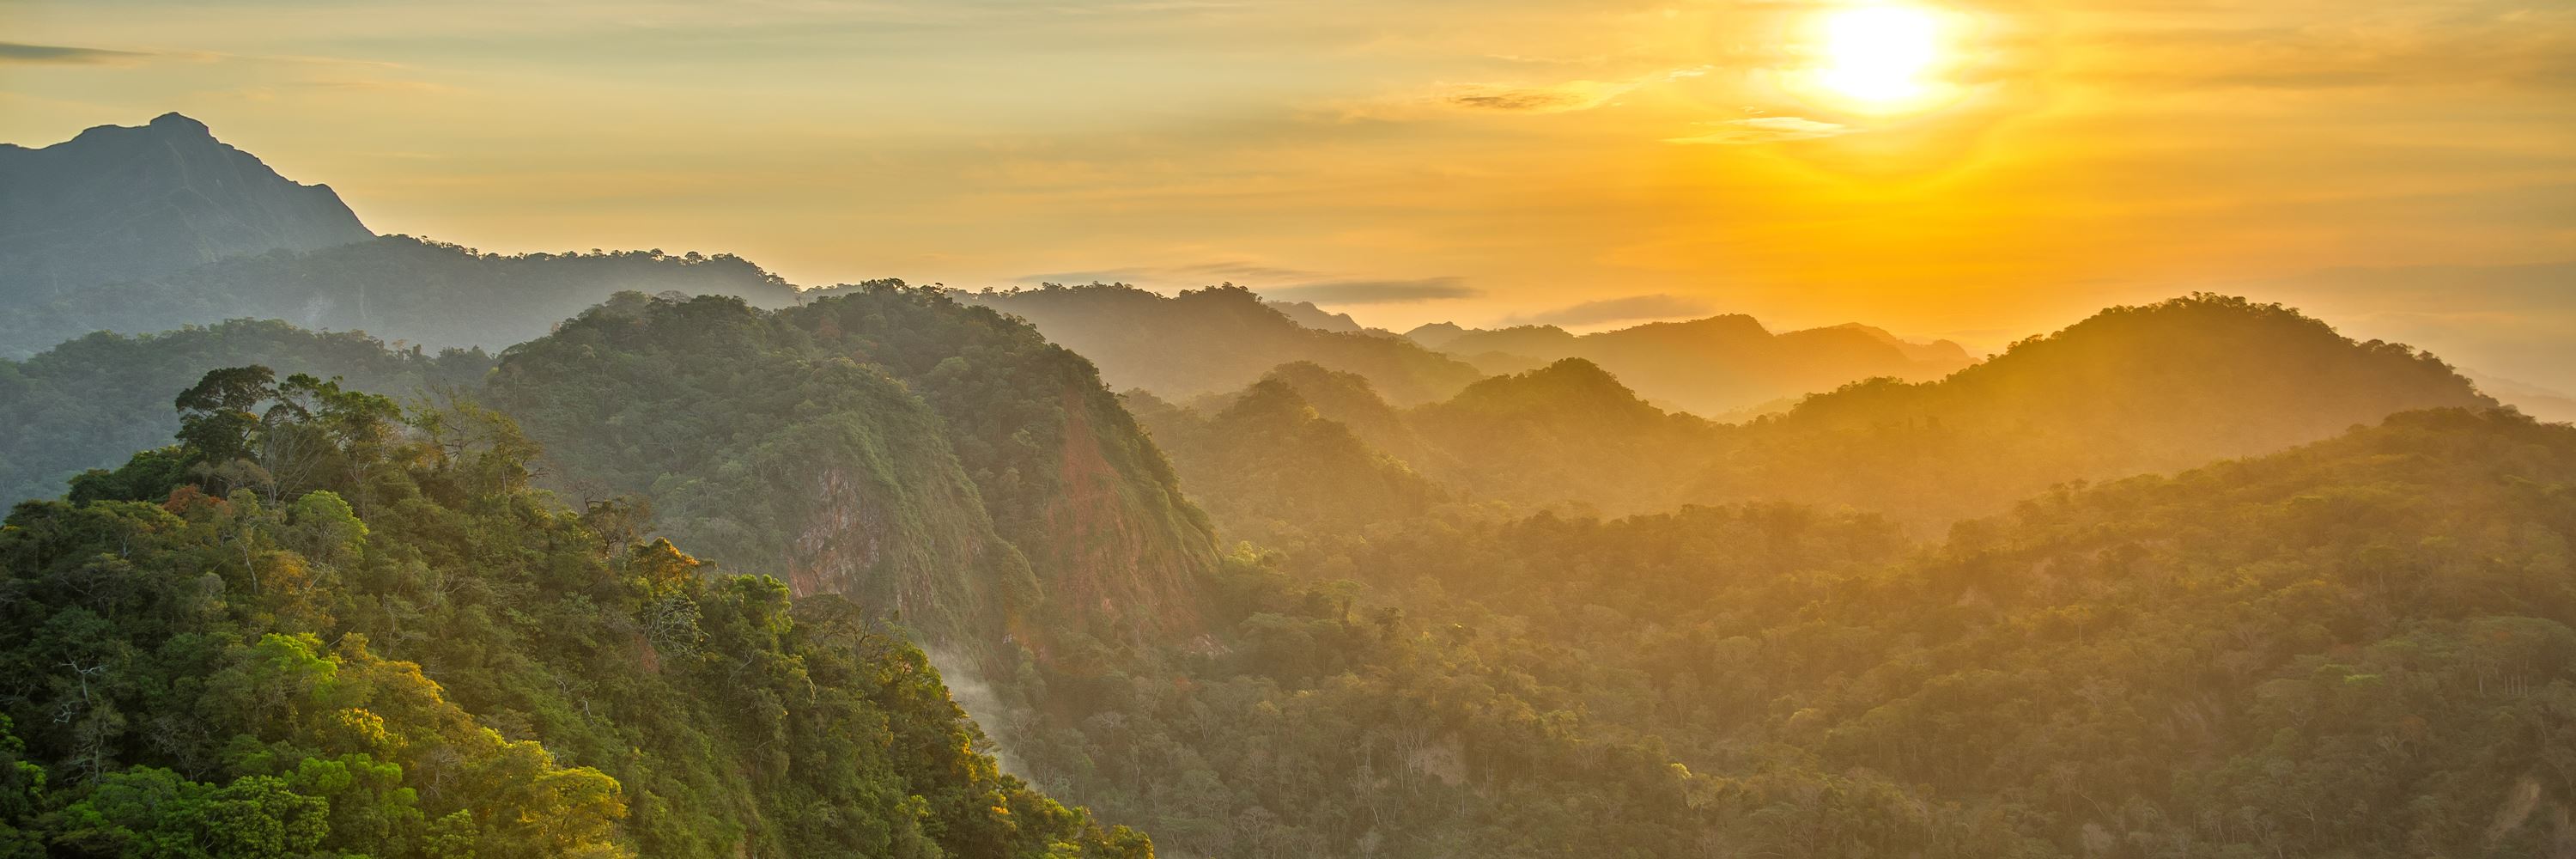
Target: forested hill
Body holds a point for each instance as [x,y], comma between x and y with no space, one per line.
[2358,648]
[1216,340]
[89,402]
[397,288]
[1711,367]
[940,458]
[1269,461]
[323,625]
[118,203]
[1569,431]
[2130,390]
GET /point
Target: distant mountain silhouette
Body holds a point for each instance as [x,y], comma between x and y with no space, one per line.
[1437,335]
[394,287]
[1216,340]
[1349,399]
[125,203]
[1270,462]
[1568,431]
[2131,390]
[1710,367]
[138,230]
[1307,314]
[2539,402]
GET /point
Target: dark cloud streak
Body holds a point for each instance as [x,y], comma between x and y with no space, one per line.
[1375,291]
[1625,309]
[24,54]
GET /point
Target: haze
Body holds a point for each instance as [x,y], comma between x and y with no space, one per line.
[2402,167]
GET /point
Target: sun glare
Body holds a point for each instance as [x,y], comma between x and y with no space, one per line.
[1879,55]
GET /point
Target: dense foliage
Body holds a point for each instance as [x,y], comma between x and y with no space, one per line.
[2355,648]
[1532,615]
[90,402]
[883,441]
[2359,648]
[326,626]
[1269,461]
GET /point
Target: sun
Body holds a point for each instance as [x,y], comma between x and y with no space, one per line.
[1879,56]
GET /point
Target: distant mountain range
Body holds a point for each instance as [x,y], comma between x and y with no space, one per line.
[147,229]
[1218,339]
[1307,314]
[119,204]
[1720,366]
[151,228]
[1221,339]
[2132,390]
[398,288]
[1427,644]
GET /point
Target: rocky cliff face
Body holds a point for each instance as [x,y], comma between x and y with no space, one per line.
[1068,477]
[935,463]
[125,203]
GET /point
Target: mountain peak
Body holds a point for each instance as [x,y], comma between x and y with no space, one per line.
[1436,334]
[1568,384]
[1307,314]
[1723,325]
[119,204]
[180,123]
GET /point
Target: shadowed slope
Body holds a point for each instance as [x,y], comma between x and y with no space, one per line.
[119,203]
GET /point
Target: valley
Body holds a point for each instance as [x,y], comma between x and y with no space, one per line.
[335,544]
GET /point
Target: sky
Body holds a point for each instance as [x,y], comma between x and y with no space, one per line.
[2405,169]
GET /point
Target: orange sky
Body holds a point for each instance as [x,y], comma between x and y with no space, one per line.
[2404,167]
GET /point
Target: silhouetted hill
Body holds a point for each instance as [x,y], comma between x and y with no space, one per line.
[1937,351]
[1349,399]
[118,203]
[1268,463]
[1216,340]
[2533,400]
[1307,314]
[2131,390]
[397,288]
[1566,432]
[1435,334]
[1710,366]
[1530,340]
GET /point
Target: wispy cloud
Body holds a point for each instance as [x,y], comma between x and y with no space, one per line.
[1278,283]
[1554,98]
[2400,47]
[1762,129]
[1625,309]
[23,54]
[1201,274]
